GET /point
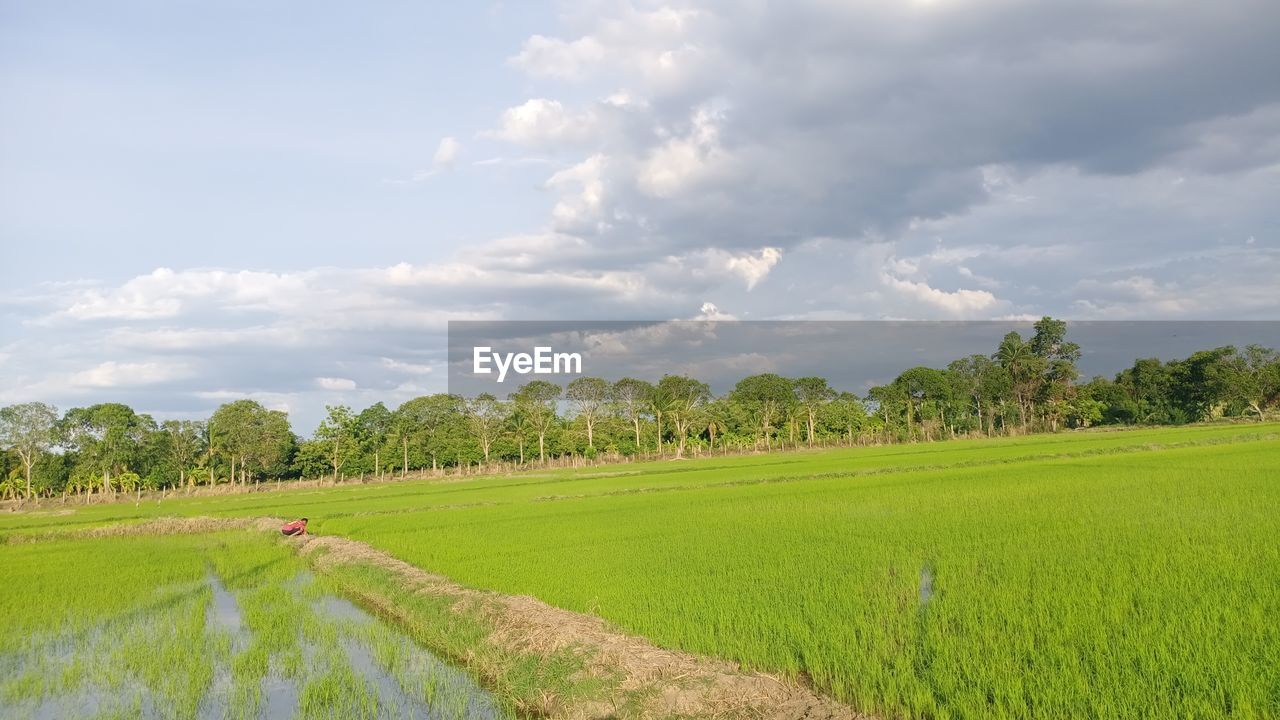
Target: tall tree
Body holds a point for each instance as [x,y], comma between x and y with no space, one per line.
[715,417]
[888,401]
[983,384]
[812,393]
[338,433]
[537,402]
[1058,356]
[185,444]
[1255,378]
[1024,366]
[485,415]
[254,438]
[1202,384]
[685,398]
[630,398]
[108,437]
[846,413]
[1147,388]
[374,427]
[767,398]
[659,403]
[926,391]
[431,418]
[28,428]
[588,396]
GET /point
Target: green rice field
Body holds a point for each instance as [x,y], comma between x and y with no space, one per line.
[1124,574]
[222,625]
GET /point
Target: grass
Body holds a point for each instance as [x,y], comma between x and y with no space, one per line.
[109,623]
[1117,574]
[452,493]
[121,627]
[1130,585]
[524,681]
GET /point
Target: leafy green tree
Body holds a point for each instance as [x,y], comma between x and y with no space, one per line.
[1017,357]
[337,432]
[1050,341]
[129,482]
[982,385]
[51,472]
[1200,385]
[685,398]
[430,421]
[630,399]
[374,426]
[767,399]
[659,404]
[1056,389]
[1254,378]
[485,415]
[926,391]
[177,449]
[254,438]
[30,429]
[845,414]
[519,425]
[1148,387]
[716,416]
[812,394]
[588,396]
[889,403]
[536,401]
[312,459]
[108,438]
[1084,410]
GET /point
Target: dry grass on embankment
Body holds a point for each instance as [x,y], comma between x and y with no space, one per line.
[665,683]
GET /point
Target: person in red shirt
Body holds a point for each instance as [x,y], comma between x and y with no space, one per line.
[297,527]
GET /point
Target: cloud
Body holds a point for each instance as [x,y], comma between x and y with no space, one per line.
[754,268]
[709,311]
[958,303]
[209,340]
[406,367]
[715,266]
[284,402]
[552,57]
[292,337]
[113,374]
[446,153]
[164,293]
[542,122]
[681,163]
[334,383]
[582,195]
[889,113]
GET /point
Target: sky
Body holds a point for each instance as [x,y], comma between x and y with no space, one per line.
[288,201]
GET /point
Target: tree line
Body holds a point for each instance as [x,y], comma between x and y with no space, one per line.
[1026,385]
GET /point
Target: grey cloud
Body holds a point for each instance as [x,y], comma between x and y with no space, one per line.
[842,120]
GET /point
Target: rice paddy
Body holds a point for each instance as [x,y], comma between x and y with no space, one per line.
[1110,574]
[229,625]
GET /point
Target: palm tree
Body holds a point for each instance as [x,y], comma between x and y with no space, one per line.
[1023,365]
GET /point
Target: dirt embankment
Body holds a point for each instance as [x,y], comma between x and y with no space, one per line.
[157,526]
[672,684]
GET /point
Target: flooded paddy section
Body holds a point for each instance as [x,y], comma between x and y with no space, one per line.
[252,638]
[409,680]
